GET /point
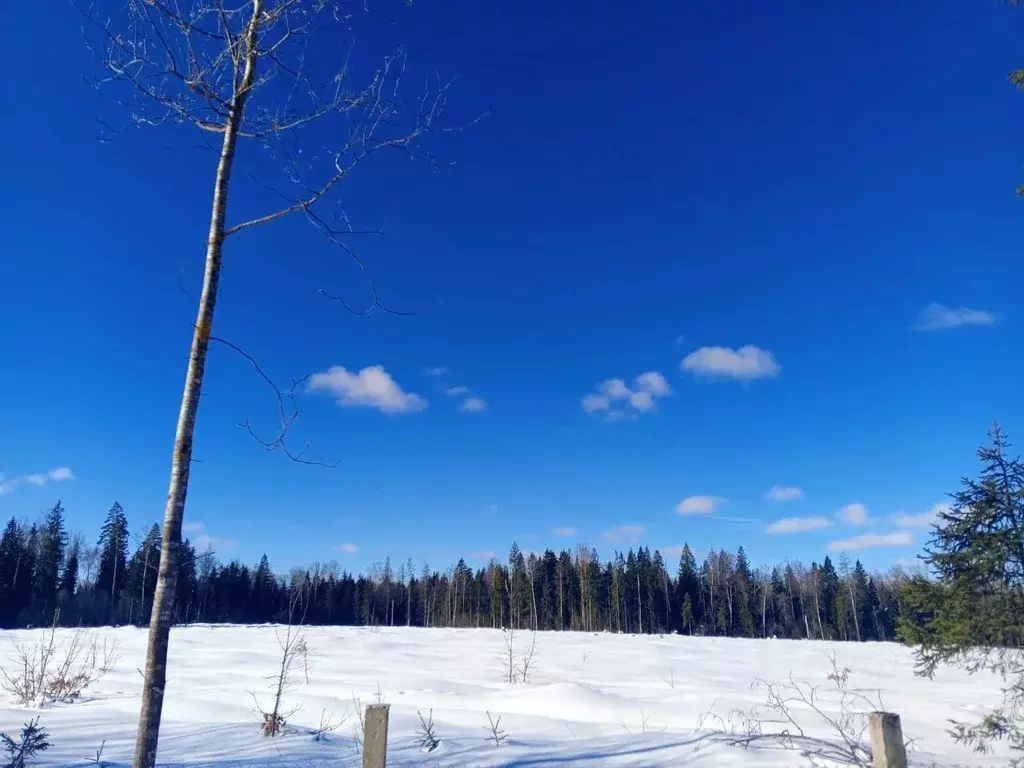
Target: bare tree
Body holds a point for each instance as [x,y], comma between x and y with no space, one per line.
[240,70]
[495,732]
[293,650]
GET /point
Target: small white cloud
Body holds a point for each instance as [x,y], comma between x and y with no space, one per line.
[627,533]
[458,391]
[937,317]
[672,551]
[566,531]
[592,403]
[747,362]
[204,542]
[372,387]
[872,541]
[699,505]
[438,370]
[483,554]
[641,398]
[797,525]
[922,520]
[38,479]
[854,514]
[642,401]
[652,383]
[473,405]
[195,527]
[784,493]
[348,547]
[615,389]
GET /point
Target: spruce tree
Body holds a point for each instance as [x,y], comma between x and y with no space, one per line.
[972,615]
[12,552]
[52,541]
[113,544]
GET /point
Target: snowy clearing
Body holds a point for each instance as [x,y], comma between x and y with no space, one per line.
[587,704]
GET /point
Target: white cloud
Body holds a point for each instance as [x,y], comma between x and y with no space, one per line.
[798,524]
[627,533]
[653,383]
[784,493]
[348,547]
[854,514]
[937,317]
[372,387]
[641,398]
[615,389]
[38,479]
[458,391]
[922,520]
[699,505]
[204,542]
[747,362]
[438,370]
[566,531]
[195,527]
[485,554]
[473,405]
[872,541]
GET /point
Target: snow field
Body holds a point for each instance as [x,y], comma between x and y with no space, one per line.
[593,699]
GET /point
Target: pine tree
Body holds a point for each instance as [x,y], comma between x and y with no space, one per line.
[113,543]
[52,541]
[688,588]
[12,552]
[973,615]
[864,611]
[743,617]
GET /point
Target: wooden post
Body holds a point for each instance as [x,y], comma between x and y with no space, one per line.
[887,740]
[375,736]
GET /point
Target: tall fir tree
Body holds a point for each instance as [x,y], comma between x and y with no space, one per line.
[972,614]
[113,544]
[52,541]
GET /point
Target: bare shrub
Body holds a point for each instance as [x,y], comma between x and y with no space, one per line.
[359,726]
[51,671]
[328,724]
[425,734]
[109,656]
[97,759]
[521,671]
[645,724]
[495,731]
[773,724]
[526,663]
[293,648]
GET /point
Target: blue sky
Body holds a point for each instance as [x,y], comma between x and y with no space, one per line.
[694,253]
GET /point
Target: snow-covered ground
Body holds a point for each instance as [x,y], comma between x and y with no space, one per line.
[587,703]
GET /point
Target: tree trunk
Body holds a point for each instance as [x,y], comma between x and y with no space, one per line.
[163,598]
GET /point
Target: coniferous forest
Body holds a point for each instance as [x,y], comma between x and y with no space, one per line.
[44,570]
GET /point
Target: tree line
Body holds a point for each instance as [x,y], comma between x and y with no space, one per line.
[45,571]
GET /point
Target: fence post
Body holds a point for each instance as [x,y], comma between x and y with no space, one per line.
[375,736]
[887,740]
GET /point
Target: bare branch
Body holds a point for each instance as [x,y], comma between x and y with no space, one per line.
[287,408]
